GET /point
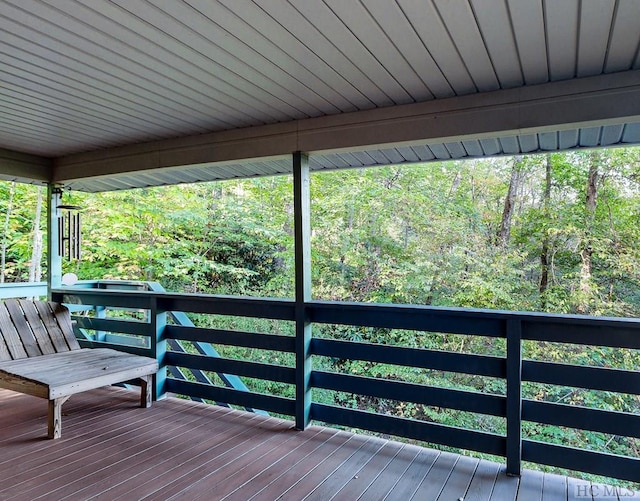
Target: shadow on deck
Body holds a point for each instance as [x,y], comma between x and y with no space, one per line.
[111,449]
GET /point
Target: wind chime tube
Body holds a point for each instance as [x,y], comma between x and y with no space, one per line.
[76,236]
[61,236]
[70,234]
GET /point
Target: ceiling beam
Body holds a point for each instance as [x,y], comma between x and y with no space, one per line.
[601,100]
[24,168]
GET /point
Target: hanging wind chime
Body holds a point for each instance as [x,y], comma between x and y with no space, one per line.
[69,231]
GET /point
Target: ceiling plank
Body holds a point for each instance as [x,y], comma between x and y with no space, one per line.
[625,38]
[140,53]
[329,23]
[495,25]
[461,24]
[428,25]
[596,18]
[400,32]
[529,28]
[337,69]
[104,67]
[299,59]
[369,33]
[562,36]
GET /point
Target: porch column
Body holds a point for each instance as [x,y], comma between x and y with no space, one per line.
[54,259]
[514,397]
[158,322]
[302,231]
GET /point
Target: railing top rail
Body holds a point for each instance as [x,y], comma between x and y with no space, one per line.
[574,329]
[155,289]
[320,305]
[22,289]
[278,309]
[470,313]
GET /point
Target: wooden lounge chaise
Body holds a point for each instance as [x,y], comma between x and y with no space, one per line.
[40,356]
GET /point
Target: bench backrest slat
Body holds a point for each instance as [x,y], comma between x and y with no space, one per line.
[12,348]
[63,321]
[32,316]
[50,314]
[24,331]
[33,328]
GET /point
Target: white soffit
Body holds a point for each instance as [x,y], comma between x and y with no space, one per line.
[79,76]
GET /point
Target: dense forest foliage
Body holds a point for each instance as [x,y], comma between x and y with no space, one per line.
[555,233]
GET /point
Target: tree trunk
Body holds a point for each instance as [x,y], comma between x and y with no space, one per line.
[35,268]
[455,184]
[544,252]
[586,253]
[5,233]
[502,237]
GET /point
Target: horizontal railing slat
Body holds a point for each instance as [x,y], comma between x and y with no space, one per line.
[571,416]
[115,325]
[274,309]
[593,378]
[598,463]
[134,350]
[594,332]
[488,443]
[254,400]
[231,338]
[482,365]
[237,367]
[410,392]
[432,319]
[112,298]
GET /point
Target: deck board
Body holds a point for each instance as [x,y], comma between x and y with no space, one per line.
[347,472]
[298,483]
[413,476]
[355,474]
[530,488]
[554,487]
[268,481]
[506,486]
[460,478]
[390,475]
[112,449]
[432,485]
[483,481]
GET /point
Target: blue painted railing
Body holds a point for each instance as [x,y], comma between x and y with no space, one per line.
[85,324]
[514,327]
[23,289]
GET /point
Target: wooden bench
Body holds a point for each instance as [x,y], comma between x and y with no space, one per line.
[40,356]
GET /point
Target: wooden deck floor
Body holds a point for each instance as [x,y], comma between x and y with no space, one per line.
[111,449]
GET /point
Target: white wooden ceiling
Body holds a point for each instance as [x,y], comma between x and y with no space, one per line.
[78,76]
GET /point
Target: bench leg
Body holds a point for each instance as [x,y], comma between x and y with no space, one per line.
[55,417]
[145,391]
